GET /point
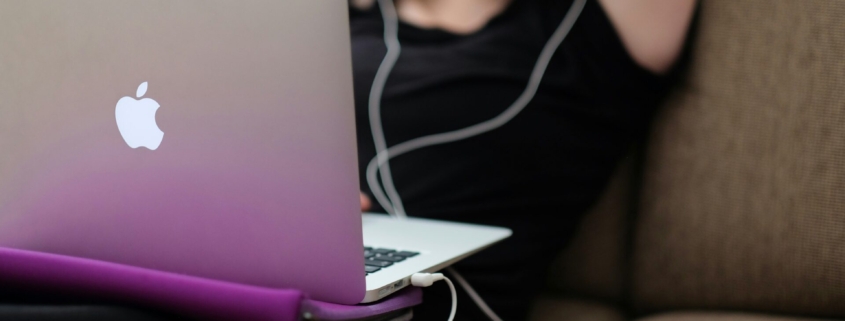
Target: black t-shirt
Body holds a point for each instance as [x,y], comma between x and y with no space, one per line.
[537,174]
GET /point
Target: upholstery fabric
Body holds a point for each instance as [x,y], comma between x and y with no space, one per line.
[720,316]
[550,308]
[743,201]
[594,263]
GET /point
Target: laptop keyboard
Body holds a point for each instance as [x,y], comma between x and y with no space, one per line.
[376,259]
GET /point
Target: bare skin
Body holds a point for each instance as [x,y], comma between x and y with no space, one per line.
[365,203]
[652,30]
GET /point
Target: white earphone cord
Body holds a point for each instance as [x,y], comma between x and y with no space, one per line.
[391,41]
[389,199]
[391,202]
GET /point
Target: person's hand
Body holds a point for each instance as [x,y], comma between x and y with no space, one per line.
[365,203]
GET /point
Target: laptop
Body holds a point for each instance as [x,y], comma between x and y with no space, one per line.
[211,138]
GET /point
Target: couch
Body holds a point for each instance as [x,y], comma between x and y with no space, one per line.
[733,207]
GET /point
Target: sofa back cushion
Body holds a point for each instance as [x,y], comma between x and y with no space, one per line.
[743,196]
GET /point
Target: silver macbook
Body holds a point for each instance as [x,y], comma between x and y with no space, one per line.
[212,138]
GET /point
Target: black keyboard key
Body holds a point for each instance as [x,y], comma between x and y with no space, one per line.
[405,254]
[367,248]
[389,258]
[383,251]
[378,263]
[368,254]
[371,269]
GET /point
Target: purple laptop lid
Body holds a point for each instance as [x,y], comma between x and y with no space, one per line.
[252,177]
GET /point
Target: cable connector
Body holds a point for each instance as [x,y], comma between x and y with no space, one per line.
[425,280]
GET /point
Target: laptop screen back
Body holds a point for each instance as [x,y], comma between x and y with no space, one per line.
[213,138]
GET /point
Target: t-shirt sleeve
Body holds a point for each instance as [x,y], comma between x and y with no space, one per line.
[602,60]
[596,36]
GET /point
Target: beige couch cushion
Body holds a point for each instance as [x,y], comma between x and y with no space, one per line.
[550,308]
[720,316]
[743,206]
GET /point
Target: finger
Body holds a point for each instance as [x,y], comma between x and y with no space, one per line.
[365,203]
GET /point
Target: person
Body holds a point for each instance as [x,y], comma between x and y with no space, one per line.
[464,62]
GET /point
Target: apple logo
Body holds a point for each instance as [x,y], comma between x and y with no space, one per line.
[136,120]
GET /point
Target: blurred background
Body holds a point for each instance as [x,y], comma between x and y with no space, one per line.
[733,207]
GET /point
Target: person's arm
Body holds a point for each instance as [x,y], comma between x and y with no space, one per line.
[365,203]
[362,4]
[652,31]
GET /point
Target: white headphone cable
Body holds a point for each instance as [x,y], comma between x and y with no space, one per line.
[393,205]
[391,202]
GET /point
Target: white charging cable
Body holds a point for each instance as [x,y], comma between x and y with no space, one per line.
[425,280]
[474,295]
[389,198]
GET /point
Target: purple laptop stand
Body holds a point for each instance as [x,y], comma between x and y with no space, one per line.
[176,293]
